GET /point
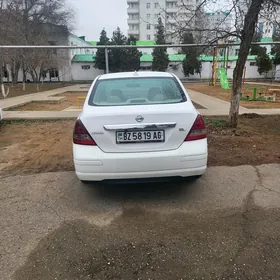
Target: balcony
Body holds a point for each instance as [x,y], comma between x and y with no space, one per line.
[132,1]
[133,32]
[132,10]
[172,10]
[172,20]
[133,21]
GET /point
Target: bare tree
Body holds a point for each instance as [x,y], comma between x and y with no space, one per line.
[245,15]
[34,22]
[247,34]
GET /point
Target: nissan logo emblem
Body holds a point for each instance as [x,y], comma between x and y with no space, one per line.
[139,119]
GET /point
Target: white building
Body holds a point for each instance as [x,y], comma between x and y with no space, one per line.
[219,20]
[83,67]
[63,70]
[76,41]
[143,17]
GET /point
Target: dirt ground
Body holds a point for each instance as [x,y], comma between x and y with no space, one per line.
[17,90]
[33,147]
[71,100]
[224,94]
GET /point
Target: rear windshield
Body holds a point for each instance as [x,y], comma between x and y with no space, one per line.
[136,91]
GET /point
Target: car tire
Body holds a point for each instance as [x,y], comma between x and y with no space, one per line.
[85,182]
[194,178]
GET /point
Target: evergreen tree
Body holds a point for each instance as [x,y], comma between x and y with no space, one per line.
[191,63]
[132,60]
[118,54]
[160,55]
[256,49]
[100,62]
[262,60]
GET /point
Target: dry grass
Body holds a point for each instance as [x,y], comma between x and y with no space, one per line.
[17,89]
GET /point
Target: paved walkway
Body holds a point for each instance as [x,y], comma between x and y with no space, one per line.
[214,106]
[38,96]
[225,225]
[263,84]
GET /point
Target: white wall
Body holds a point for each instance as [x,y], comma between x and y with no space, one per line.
[206,72]
[76,73]
[143,11]
[150,50]
[73,40]
[277,73]
[65,74]
[79,74]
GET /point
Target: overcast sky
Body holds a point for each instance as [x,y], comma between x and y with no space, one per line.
[93,15]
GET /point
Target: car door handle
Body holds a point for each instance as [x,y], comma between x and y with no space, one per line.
[139,126]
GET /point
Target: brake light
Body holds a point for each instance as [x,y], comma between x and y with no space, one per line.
[198,130]
[81,135]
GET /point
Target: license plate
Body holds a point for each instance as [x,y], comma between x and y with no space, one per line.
[140,136]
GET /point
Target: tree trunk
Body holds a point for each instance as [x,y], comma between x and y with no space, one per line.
[15,71]
[23,76]
[3,91]
[248,31]
[37,80]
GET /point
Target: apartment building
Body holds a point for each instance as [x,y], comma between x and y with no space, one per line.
[221,20]
[143,16]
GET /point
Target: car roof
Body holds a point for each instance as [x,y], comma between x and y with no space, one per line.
[141,74]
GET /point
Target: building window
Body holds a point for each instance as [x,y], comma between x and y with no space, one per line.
[148,26]
[5,72]
[148,16]
[253,64]
[133,6]
[156,5]
[54,73]
[85,67]
[261,27]
[237,52]
[148,37]
[274,29]
[156,16]
[148,5]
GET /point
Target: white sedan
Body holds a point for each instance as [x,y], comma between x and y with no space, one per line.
[139,125]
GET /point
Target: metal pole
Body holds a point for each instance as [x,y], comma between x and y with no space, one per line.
[130,46]
[107,60]
[216,65]
[214,52]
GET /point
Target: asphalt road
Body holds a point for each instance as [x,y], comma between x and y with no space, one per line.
[225,226]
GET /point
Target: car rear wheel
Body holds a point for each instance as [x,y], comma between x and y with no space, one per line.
[85,182]
[194,178]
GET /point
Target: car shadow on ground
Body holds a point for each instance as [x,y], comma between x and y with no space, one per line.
[139,191]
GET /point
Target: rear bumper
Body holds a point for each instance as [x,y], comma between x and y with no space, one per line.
[92,164]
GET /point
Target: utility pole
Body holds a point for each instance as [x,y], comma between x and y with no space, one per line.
[107,60]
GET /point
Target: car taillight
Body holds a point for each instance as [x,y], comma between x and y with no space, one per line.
[81,135]
[198,130]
